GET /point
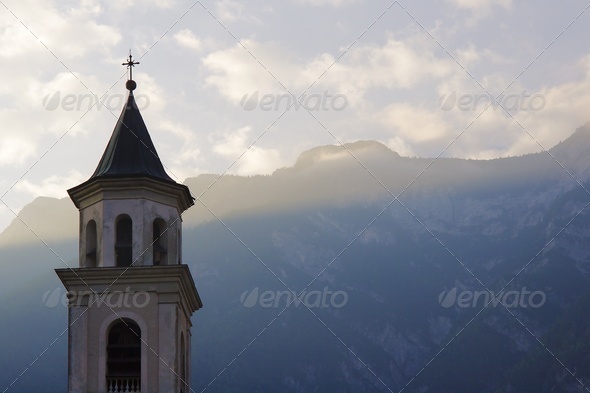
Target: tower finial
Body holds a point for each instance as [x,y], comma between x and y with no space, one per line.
[131,85]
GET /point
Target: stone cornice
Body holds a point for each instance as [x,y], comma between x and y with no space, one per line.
[97,189]
[165,280]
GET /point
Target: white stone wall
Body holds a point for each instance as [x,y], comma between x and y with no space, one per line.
[77,350]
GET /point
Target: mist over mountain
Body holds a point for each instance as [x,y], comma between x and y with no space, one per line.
[407,268]
[362,172]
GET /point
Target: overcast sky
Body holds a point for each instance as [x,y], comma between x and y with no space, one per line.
[215,78]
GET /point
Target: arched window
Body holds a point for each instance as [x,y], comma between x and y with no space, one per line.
[124,241]
[124,357]
[91,244]
[159,243]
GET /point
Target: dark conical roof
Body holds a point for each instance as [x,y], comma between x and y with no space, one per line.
[130,164]
[130,151]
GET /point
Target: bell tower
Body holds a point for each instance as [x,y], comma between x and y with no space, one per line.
[131,298]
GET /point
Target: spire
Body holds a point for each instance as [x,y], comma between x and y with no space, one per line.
[130,159]
[130,151]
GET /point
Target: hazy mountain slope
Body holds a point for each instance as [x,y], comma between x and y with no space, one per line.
[45,218]
[393,276]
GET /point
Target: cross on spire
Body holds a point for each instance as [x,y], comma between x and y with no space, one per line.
[130,64]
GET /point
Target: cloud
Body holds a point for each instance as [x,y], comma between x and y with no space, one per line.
[229,11]
[252,159]
[480,9]
[414,126]
[180,163]
[470,55]
[542,117]
[334,3]
[234,73]
[66,31]
[32,70]
[400,146]
[15,150]
[481,4]
[53,186]
[39,113]
[565,108]
[187,39]
[413,123]
[398,64]
[395,65]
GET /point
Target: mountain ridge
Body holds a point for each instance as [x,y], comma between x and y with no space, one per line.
[324,175]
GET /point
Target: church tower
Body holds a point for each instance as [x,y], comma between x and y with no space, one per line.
[131,298]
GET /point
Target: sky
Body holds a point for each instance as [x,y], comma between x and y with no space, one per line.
[245,87]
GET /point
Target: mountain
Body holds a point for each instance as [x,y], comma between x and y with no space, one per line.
[395,289]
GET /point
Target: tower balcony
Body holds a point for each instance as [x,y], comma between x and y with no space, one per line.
[123,384]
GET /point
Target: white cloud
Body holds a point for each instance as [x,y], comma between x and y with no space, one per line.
[67,31]
[548,115]
[15,150]
[164,3]
[255,159]
[228,10]
[180,163]
[53,186]
[400,146]
[481,4]
[565,109]
[471,55]
[31,71]
[414,124]
[396,64]
[187,39]
[234,73]
[334,3]
[122,5]
[233,143]
[480,9]
[411,127]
